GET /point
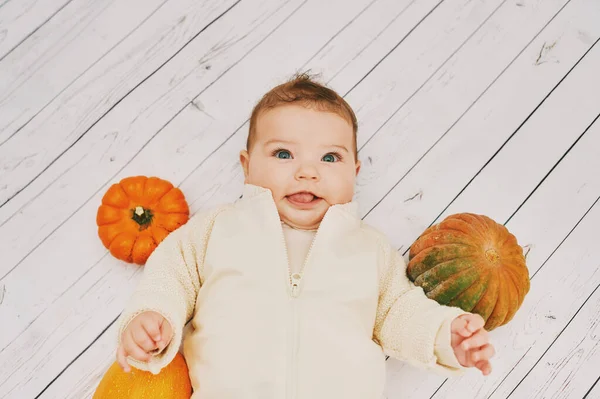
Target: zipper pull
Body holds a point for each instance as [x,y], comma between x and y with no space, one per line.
[296,277]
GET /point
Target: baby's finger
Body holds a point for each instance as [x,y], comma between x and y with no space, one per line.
[135,351]
[478,339]
[122,359]
[485,366]
[475,322]
[142,339]
[459,326]
[486,352]
[152,327]
[166,332]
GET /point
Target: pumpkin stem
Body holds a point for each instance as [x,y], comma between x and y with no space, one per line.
[142,216]
[492,255]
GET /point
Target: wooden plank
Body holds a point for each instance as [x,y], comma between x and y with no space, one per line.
[132,40]
[572,363]
[449,165]
[417,125]
[20,19]
[412,26]
[542,221]
[54,56]
[433,46]
[79,383]
[594,391]
[49,327]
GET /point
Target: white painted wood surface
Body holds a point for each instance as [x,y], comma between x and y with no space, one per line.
[464,106]
[572,362]
[21,19]
[53,57]
[594,391]
[136,51]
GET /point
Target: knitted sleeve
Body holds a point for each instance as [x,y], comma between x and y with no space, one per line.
[411,327]
[170,283]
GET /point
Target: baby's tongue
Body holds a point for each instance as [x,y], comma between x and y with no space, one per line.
[302,197]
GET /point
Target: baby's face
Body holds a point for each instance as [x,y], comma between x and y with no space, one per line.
[306,158]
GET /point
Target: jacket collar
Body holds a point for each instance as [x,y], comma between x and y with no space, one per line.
[349,209]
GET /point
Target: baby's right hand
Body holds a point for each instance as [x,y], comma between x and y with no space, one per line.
[146,333]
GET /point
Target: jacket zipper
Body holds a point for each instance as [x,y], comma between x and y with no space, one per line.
[295,280]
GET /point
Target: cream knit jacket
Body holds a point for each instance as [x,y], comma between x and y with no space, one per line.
[259,331]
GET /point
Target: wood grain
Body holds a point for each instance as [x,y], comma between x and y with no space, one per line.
[52,58]
[120,60]
[21,19]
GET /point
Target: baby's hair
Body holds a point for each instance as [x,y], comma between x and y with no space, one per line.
[303,88]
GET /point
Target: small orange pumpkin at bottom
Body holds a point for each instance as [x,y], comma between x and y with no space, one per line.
[173,382]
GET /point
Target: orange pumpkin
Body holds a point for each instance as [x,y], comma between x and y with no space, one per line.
[137,214]
[173,382]
[474,263]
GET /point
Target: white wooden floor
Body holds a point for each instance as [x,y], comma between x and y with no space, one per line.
[485,106]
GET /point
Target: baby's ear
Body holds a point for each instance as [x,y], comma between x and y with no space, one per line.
[244,161]
[357,166]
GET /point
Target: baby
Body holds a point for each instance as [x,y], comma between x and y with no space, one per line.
[290,294]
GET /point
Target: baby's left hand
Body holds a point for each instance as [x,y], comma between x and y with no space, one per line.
[470,342]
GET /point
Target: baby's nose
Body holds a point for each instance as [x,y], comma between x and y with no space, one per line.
[307,172]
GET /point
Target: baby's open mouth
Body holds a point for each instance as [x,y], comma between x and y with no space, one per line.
[303,197]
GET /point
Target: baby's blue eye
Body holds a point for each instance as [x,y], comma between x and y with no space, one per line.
[329,158]
[283,154]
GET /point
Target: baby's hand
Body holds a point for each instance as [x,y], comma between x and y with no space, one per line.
[146,333]
[470,342]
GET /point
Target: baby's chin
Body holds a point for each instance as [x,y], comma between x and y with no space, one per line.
[302,224]
[307,219]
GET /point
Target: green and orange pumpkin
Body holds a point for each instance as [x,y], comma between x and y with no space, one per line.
[136,214]
[471,262]
[173,382]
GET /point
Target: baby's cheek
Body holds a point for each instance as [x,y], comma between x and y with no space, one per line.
[343,190]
